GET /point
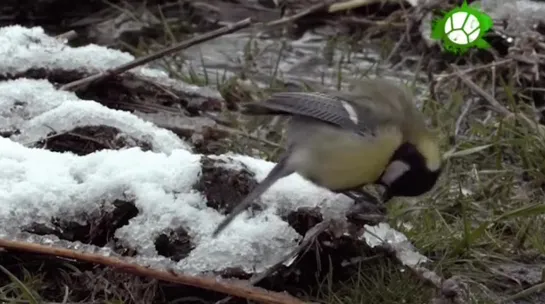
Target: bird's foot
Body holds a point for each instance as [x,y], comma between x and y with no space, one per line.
[366,207]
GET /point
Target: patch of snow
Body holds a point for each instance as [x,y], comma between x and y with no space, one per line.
[382,233]
[35,108]
[22,49]
[37,185]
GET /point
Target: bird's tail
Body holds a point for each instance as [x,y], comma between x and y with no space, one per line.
[280,170]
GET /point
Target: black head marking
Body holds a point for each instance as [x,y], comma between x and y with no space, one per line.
[417,180]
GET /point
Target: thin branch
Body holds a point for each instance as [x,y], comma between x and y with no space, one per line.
[228,286]
[462,116]
[474,69]
[496,105]
[143,60]
[351,4]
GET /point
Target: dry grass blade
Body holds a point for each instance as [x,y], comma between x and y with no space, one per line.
[496,105]
[465,152]
[24,289]
[525,293]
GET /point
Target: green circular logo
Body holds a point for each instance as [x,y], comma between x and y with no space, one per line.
[462,28]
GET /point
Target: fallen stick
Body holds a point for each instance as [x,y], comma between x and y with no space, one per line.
[143,60]
[232,287]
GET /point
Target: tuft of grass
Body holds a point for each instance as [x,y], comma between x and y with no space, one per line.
[382,281]
[18,291]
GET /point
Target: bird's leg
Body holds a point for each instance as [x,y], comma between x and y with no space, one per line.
[364,202]
[362,196]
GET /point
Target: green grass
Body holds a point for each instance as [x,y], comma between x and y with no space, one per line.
[380,282]
[487,210]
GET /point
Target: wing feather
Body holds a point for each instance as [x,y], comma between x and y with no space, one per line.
[328,108]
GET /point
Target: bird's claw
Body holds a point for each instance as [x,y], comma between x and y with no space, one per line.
[366,207]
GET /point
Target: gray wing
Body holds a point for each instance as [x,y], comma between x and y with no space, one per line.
[324,107]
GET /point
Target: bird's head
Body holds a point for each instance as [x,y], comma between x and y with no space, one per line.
[413,170]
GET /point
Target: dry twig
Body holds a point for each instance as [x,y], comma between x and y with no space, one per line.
[193,41]
[232,287]
[462,116]
[350,4]
[143,60]
[497,106]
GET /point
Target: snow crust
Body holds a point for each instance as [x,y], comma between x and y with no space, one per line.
[22,49]
[35,109]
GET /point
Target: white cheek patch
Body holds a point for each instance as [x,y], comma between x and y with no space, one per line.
[351,112]
[394,171]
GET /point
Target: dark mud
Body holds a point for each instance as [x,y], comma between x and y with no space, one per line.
[89,139]
[98,230]
[223,188]
[174,244]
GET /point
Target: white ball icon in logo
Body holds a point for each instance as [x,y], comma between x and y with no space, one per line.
[462,28]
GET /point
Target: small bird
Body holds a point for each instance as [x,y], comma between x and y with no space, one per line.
[342,141]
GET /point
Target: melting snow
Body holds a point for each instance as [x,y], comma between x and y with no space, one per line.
[37,185]
[383,234]
[22,49]
[35,108]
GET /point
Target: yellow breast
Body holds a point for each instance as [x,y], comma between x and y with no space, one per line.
[342,160]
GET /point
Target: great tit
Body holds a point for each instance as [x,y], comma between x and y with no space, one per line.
[371,134]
